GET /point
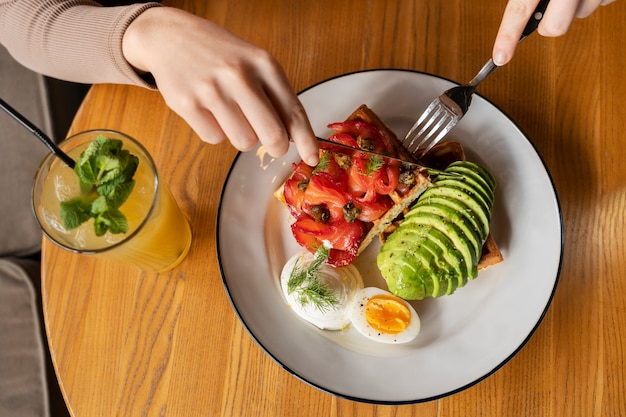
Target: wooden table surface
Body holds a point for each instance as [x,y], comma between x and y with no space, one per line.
[131,344]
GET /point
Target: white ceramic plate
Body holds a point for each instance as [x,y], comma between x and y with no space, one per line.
[465,337]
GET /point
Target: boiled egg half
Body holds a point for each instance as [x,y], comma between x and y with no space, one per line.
[381,316]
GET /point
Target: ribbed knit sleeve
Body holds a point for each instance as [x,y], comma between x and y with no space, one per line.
[72,40]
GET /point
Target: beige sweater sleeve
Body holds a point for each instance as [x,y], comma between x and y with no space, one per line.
[72,40]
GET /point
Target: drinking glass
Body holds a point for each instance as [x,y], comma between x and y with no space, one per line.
[158,236]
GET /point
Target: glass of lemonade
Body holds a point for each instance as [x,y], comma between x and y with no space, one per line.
[158,235]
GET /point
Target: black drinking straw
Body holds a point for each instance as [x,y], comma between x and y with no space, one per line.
[37,132]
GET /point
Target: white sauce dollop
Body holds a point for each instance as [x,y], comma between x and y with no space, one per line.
[344,281]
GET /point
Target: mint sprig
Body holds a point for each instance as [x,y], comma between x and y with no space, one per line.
[105,172]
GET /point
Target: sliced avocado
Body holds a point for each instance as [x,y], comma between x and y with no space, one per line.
[447,214]
[402,242]
[475,193]
[461,242]
[437,246]
[428,267]
[401,275]
[401,238]
[474,171]
[444,275]
[416,276]
[460,195]
[461,209]
[412,245]
[479,169]
[418,244]
[452,256]
[473,178]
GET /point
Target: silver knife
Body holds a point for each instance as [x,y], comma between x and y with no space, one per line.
[335,147]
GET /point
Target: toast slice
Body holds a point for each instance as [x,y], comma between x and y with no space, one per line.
[410,184]
[363,112]
[401,201]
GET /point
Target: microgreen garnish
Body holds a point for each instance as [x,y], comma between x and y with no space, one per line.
[308,286]
[374,164]
[323,162]
[105,173]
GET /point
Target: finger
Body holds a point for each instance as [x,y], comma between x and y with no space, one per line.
[226,110]
[585,8]
[558,18]
[203,122]
[516,16]
[263,118]
[293,116]
[235,125]
[301,132]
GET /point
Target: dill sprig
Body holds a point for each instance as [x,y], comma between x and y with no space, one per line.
[308,286]
[374,164]
[323,162]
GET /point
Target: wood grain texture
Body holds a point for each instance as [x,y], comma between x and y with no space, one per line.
[131,344]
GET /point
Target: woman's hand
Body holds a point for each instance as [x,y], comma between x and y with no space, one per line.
[556,22]
[224,87]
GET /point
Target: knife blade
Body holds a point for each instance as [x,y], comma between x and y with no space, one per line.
[336,147]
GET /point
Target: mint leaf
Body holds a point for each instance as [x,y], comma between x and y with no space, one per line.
[109,145]
[117,221]
[109,168]
[111,220]
[130,167]
[101,161]
[75,212]
[120,193]
[105,169]
[86,164]
[122,181]
[99,205]
[86,173]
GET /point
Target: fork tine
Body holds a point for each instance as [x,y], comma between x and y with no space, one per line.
[431,137]
[439,120]
[430,128]
[443,128]
[432,113]
[442,124]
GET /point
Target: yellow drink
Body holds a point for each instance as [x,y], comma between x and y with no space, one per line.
[158,236]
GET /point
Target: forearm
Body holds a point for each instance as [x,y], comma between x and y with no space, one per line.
[73,40]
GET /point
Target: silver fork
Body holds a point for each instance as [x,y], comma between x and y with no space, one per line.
[447,109]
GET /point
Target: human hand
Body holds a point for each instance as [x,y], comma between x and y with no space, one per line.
[224,87]
[556,22]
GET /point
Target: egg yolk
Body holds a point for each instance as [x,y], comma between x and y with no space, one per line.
[387,314]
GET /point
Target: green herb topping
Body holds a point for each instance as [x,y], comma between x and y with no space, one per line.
[323,162]
[374,164]
[305,281]
[105,173]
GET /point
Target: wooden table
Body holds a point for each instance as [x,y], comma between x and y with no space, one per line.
[132,344]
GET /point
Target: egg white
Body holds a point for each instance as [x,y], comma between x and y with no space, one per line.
[358,320]
[344,281]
